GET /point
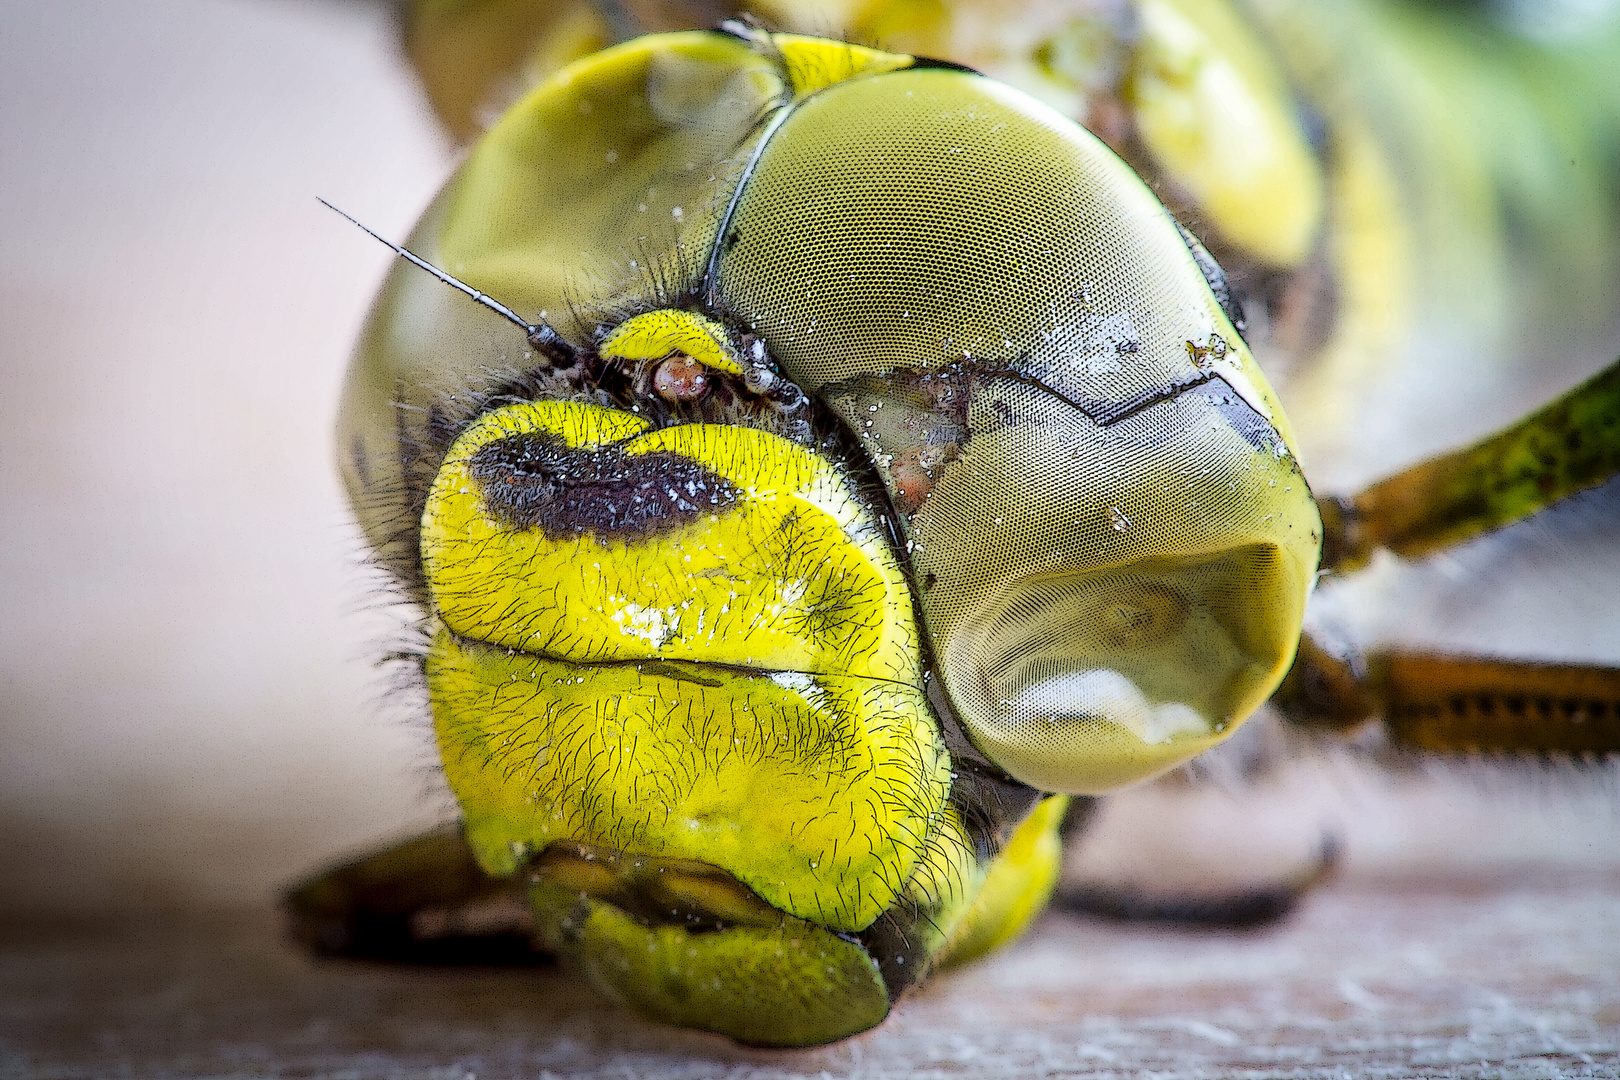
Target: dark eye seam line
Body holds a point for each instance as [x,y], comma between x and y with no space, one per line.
[541,335]
[748,30]
[711,273]
[1126,409]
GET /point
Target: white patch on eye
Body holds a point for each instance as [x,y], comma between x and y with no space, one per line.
[1084,695]
[1172,719]
[1103,694]
[1099,343]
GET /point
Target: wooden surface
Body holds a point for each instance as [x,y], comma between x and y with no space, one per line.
[1506,978]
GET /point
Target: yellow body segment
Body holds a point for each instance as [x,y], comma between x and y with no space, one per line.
[814,63]
[1219,119]
[942,887]
[792,576]
[813,776]
[657,334]
[1015,889]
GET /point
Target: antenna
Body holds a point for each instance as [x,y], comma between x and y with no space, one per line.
[539,334]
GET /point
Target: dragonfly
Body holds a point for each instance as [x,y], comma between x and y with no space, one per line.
[825,469]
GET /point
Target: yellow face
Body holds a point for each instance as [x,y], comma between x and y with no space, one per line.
[689,644]
[693,642]
[902,471]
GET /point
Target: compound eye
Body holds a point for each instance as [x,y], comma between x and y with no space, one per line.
[1083,682]
[1137,613]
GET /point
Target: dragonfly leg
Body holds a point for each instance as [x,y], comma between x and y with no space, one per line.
[1439,703]
[1247,907]
[1569,445]
[421,901]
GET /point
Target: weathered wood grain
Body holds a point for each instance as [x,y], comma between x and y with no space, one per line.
[1491,979]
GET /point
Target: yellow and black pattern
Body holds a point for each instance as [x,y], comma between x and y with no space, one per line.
[741,569]
[884,463]
[693,641]
[576,531]
[667,687]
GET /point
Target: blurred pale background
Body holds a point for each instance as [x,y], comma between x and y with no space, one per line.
[188,708]
[189,714]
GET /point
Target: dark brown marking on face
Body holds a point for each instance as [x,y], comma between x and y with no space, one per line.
[537,481]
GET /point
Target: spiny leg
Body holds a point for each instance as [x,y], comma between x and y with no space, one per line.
[1439,702]
[1442,703]
[422,901]
[1567,446]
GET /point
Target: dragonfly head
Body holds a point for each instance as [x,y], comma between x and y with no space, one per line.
[904,467]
